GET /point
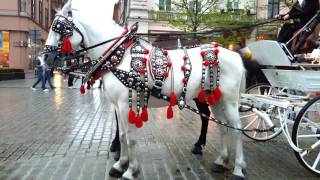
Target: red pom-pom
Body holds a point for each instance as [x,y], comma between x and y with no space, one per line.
[169,112]
[173,99]
[169,64]
[202,53]
[144,114]
[217,93]
[138,121]
[165,52]
[183,68]
[202,96]
[142,70]
[184,80]
[206,63]
[216,45]
[131,116]
[146,51]
[82,90]
[165,74]
[317,93]
[211,99]
[144,60]
[66,46]
[185,58]
[216,51]
[216,63]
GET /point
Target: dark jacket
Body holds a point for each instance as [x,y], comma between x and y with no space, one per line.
[305,13]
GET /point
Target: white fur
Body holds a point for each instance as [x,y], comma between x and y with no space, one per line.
[231,77]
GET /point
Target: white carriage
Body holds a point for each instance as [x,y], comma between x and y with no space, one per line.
[288,101]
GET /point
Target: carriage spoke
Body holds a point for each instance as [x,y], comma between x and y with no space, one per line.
[315,144]
[251,122]
[249,115]
[255,133]
[309,136]
[316,161]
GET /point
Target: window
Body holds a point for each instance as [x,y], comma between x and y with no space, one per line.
[23,5]
[33,9]
[40,13]
[46,18]
[165,5]
[273,8]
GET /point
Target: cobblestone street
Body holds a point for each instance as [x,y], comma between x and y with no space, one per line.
[62,134]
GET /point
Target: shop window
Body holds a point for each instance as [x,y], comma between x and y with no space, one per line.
[4,48]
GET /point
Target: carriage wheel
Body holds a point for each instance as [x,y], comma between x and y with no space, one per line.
[250,120]
[306,135]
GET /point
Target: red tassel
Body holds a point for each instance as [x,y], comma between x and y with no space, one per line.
[202,96]
[144,114]
[88,85]
[82,90]
[169,112]
[217,93]
[66,46]
[131,116]
[173,99]
[211,99]
[138,121]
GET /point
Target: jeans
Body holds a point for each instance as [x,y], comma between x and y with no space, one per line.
[41,78]
[47,77]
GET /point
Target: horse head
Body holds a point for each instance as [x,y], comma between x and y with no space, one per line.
[66,34]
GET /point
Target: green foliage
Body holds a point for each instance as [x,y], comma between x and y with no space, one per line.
[193,18]
[10,70]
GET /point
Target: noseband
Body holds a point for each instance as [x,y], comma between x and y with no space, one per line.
[65,29]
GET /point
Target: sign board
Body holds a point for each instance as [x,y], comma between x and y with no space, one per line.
[35,34]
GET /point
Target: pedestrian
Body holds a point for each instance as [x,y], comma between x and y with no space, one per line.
[301,12]
[40,74]
[47,77]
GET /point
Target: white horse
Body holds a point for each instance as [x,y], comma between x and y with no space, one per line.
[232,78]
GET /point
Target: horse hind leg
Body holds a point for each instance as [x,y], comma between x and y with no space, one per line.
[221,162]
[121,165]
[232,114]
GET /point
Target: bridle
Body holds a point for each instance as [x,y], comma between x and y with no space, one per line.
[65,29]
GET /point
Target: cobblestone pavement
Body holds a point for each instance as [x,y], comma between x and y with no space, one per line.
[62,134]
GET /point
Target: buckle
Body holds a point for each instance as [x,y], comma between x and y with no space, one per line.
[158,84]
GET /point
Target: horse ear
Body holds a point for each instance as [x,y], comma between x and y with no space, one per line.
[67,7]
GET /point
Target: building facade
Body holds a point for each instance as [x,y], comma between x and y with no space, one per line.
[154,15]
[24,29]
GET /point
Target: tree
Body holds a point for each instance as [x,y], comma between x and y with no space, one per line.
[193,13]
[198,15]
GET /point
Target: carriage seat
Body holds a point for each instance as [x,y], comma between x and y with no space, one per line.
[270,53]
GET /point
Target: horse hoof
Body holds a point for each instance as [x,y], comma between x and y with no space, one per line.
[114,146]
[197,150]
[217,168]
[115,173]
[236,177]
[117,155]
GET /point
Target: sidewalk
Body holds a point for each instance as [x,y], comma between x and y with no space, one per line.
[62,134]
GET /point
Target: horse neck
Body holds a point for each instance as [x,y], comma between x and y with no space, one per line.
[99,32]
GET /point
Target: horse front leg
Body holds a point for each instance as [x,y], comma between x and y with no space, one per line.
[121,165]
[232,114]
[203,109]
